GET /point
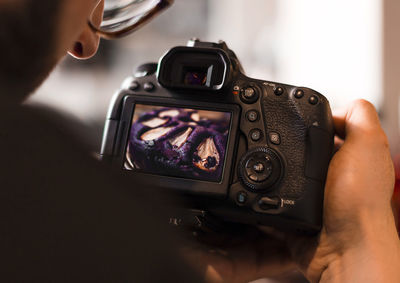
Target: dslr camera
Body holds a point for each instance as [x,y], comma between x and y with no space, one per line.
[236,149]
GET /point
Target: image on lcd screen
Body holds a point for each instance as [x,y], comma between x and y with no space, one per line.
[178,142]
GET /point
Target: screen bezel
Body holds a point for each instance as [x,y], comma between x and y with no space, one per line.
[217,189]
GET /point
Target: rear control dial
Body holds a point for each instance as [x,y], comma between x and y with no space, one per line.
[259,169]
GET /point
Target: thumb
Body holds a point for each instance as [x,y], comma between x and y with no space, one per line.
[359,123]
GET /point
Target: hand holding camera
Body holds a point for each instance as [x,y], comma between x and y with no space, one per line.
[358,241]
[238,150]
[256,152]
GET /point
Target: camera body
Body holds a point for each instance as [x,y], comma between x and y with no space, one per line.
[234,148]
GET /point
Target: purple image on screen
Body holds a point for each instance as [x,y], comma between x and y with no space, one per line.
[178,142]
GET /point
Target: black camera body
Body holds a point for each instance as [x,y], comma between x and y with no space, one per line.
[238,149]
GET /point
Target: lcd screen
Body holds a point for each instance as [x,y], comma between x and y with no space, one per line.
[178,142]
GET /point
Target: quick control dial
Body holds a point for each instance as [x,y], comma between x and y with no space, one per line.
[259,169]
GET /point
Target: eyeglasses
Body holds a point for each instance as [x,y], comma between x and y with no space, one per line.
[122,17]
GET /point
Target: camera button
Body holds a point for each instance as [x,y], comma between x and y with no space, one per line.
[275,138]
[256,135]
[252,115]
[249,95]
[313,99]
[146,70]
[258,177]
[134,86]
[266,203]
[279,91]
[259,167]
[241,197]
[253,177]
[149,87]
[299,93]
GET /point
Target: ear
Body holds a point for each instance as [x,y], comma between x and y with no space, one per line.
[86,46]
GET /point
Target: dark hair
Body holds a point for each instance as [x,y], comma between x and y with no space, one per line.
[27,31]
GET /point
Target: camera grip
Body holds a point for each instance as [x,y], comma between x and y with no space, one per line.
[317,157]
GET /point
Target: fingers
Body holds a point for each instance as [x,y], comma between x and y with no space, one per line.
[228,239]
[359,122]
[249,259]
[273,233]
[339,122]
[338,143]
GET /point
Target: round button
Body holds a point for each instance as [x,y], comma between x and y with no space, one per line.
[279,91]
[252,115]
[275,138]
[299,93]
[249,95]
[149,87]
[313,99]
[259,169]
[146,70]
[256,135]
[134,86]
[241,197]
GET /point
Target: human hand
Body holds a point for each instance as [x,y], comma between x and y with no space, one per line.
[358,241]
[244,257]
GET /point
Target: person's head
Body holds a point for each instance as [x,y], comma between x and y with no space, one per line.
[36,34]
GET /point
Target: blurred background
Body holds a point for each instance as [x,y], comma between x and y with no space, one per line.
[343,49]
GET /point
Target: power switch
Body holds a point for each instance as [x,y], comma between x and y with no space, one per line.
[269,203]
